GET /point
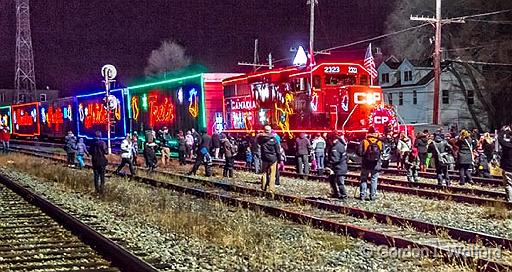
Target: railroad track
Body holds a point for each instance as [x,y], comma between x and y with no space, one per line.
[427,190]
[36,235]
[382,229]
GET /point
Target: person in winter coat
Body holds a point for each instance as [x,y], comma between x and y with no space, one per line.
[197,139]
[403,147]
[370,150]
[182,147]
[150,155]
[126,155]
[421,145]
[465,157]
[318,147]
[203,155]
[270,156]
[99,161]
[488,145]
[440,147]
[412,166]
[338,165]
[216,144]
[505,141]
[135,144]
[230,150]
[164,137]
[303,149]
[255,153]
[81,151]
[482,164]
[189,141]
[70,147]
[6,137]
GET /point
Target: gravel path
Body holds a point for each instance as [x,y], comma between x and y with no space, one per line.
[267,244]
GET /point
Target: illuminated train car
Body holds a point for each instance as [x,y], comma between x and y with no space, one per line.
[26,120]
[5,117]
[57,117]
[341,98]
[91,115]
[183,101]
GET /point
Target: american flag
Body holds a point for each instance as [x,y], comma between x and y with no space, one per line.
[369,64]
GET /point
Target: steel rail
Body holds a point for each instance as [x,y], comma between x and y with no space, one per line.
[119,256]
[343,228]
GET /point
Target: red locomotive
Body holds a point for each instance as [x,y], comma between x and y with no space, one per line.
[322,98]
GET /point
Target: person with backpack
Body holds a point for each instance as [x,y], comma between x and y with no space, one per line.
[230,148]
[442,153]
[81,151]
[318,147]
[505,141]
[421,145]
[99,161]
[338,167]
[270,156]
[303,149]
[370,150]
[465,158]
[70,148]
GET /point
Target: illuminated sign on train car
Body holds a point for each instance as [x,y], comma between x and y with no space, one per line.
[5,117]
[25,119]
[92,116]
[57,117]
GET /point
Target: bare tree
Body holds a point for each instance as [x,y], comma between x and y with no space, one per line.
[168,57]
[481,39]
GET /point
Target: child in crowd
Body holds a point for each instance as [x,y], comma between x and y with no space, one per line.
[248,157]
[81,151]
[412,165]
[482,164]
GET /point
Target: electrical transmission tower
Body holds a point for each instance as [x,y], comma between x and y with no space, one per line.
[25,81]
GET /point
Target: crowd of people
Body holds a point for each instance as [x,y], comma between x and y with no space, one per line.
[265,153]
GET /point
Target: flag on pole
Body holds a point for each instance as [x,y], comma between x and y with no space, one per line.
[369,63]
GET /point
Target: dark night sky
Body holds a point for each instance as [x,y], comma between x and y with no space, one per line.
[72,39]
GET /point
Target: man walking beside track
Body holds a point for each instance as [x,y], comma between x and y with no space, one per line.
[505,140]
[338,164]
[370,150]
[126,155]
[270,156]
[303,148]
[99,160]
[70,147]
[203,155]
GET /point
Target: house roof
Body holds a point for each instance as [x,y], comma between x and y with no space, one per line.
[392,64]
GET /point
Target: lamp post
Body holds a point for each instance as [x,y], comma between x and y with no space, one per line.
[108,72]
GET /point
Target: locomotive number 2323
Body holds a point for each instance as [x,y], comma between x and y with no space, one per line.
[331,69]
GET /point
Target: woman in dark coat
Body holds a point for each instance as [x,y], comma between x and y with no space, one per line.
[465,156]
[421,144]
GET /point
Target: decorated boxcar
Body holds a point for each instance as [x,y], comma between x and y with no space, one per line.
[5,117]
[57,117]
[184,100]
[92,115]
[26,120]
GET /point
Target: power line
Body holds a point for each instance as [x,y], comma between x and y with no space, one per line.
[481,14]
[481,62]
[490,21]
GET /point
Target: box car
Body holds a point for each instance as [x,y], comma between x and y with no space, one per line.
[58,117]
[5,117]
[26,120]
[92,115]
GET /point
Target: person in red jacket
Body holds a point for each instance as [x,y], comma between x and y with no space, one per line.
[6,137]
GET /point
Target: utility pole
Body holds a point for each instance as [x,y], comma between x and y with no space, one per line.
[256,57]
[437,22]
[312,4]
[255,64]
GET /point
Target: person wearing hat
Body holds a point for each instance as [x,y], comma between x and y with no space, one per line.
[270,156]
[370,150]
[338,166]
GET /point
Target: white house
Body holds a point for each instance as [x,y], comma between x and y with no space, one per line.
[409,86]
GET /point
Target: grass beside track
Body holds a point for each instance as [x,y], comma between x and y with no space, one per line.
[255,236]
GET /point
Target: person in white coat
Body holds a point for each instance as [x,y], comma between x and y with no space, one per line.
[126,155]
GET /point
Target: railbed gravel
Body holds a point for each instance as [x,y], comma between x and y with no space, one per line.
[494,220]
[191,253]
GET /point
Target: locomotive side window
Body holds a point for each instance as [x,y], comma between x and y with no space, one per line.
[363,80]
[229,90]
[317,82]
[243,89]
[340,80]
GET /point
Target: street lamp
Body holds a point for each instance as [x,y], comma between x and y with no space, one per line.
[109,72]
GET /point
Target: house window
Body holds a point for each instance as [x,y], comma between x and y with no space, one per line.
[414,97]
[385,78]
[42,97]
[22,98]
[2,97]
[471,97]
[400,98]
[408,76]
[446,97]
[390,98]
